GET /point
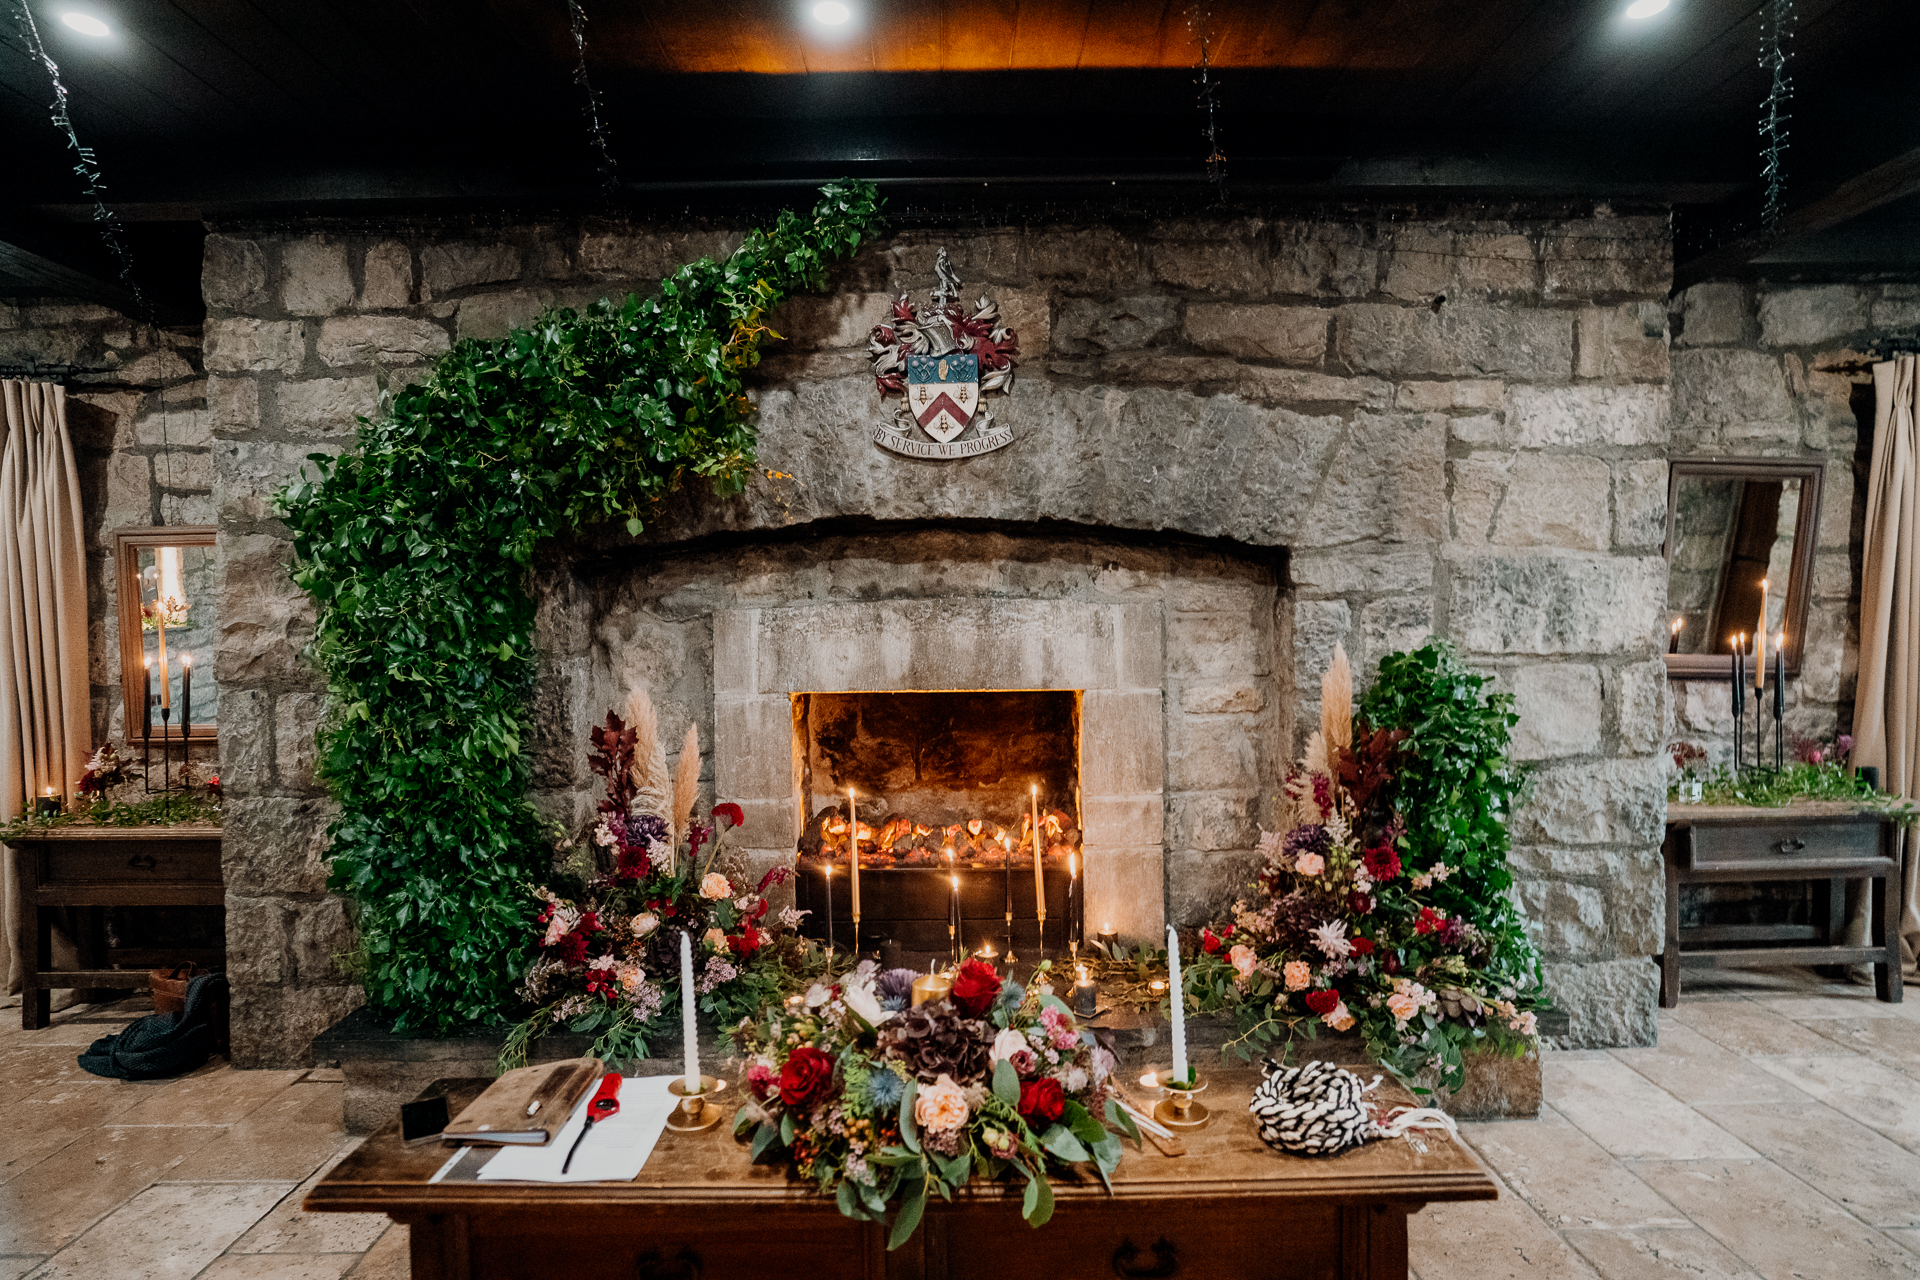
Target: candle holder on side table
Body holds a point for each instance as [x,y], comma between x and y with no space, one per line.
[1178,1109]
[694,1114]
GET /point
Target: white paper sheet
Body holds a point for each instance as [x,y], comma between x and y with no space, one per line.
[615,1150]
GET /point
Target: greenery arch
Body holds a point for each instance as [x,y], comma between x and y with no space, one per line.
[417,546]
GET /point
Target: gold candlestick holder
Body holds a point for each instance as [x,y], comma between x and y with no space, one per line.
[1178,1110]
[696,1111]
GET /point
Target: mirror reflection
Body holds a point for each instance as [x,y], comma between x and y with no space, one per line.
[177,634]
[1731,535]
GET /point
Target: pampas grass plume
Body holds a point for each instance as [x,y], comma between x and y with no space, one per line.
[686,785]
[1336,705]
[652,786]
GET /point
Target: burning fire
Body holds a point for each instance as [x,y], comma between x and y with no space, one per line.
[901,840]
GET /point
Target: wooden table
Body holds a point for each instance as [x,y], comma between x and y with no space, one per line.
[77,866]
[1229,1208]
[1828,842]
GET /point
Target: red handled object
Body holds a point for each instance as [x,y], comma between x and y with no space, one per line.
[605,1102]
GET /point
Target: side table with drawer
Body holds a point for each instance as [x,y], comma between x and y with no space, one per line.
[1829,843]
[79,866]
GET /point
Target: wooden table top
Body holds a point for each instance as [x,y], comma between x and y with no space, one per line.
[1684,815]
[105,831]
[1226,1158]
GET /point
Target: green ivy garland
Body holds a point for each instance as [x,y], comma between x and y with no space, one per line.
[417,549]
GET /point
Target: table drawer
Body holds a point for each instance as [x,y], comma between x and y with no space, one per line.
[171,862]
[693,1243]
[1173,1240]
[1823,846]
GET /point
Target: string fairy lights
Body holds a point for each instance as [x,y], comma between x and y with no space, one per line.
[1776,38]
[1199,22]
[596,127]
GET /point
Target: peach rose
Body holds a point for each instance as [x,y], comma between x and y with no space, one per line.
[1402,1006]
[1299,975]
[1243,961]
[1341,1019]
[1310,865]
[715,939]
[715,886]
[941,1106]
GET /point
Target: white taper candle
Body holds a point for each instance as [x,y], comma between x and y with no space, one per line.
[689,1027]
[1174,992]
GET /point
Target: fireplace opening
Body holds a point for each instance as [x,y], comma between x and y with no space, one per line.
[945,789]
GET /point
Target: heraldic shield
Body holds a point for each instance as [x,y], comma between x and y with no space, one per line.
[943,393]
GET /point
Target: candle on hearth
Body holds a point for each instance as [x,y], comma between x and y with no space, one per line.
[1760,645]
[1673,644]
[1039,874]
[1108,939]
[1085,999]
[689,1028]
[48,804]
[1181,1074]
[853,847]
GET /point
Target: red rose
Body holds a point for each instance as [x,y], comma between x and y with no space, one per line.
[1382,862]
[731,812]
[1361,946]
[974,987]
[1042,1102]
[1430,921]
[747,941]
[1323,1000]
[1210,942]
[805,1076]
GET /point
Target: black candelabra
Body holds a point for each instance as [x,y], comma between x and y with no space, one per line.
[164,703]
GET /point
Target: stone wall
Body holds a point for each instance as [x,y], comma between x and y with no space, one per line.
[1449,427]
[1781,371]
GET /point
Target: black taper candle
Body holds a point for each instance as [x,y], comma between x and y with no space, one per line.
[146,703]
[1780,702]
[1739,705]
[186,696]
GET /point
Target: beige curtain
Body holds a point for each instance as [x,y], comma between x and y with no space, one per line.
[1886,716]
[44,717]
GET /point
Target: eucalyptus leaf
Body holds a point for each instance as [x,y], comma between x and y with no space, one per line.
[913,1203]
[1006,1083]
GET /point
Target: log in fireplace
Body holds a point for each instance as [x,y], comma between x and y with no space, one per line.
[945,788]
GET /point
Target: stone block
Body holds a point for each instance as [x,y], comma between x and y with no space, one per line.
[753,748]
[463,264]
[1463,341]
[275,845]
[1139,646]
[1123,820]
[275,1027]
[246,743]
[1222,266]
[812,322]
[130,494]
[1598,802]
[388,340]
[1554,604]
[1201,888]
[1627,343]
[327,406]
[1714,314]
[733,651]
[1305,387]
[1351,571]
[259,938]
[1728,395]
[233,274]
[264,619]
[1455,393]
[296,721]
[233,405]
[317,280]
[1479,487]
[770,823]
[1565,920]
[387,282]
[1292,335]
[1096,326]
[1126,889]
[1228,697]
[1559,710]
[1386,483]
[175,428]
[1122,743]
[1318,625]
[1207,753]
[322,938]
[1610,1003]
[1320,259]
[491,315]
[1576,417]
[247,473]
[1897,307]
[1387,626]
[1554,501]
[1630,257]
[1428,260]
[1800,315]
[1094,258]
[1211,646]
[1639,505]
[179,469]
[1029,314]
[1640,706]
[246,345]
[649,256]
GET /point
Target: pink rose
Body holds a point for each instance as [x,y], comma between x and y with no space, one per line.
[1310,865]
[1243,960]
[1402,1006]
[1299,975]
[1341,1019]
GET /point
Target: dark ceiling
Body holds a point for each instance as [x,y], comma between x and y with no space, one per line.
[233,109]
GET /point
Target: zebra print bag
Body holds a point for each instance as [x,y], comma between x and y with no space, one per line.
[1319,1109]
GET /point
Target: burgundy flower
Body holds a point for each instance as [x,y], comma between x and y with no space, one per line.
[1382,862]
[1361,946]
[1042,1102]
[1359,903]
[974,988]
[731,812]
[1322,1001]
[805,1076]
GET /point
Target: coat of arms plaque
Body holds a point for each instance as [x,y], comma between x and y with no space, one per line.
[943,360]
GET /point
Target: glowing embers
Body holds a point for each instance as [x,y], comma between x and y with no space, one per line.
[897,840]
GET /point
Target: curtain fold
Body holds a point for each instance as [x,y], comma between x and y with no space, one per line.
[44,713]
[1886,716]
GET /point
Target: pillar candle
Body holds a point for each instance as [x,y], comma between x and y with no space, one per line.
[1039,875]
[1176,994]
[689,1028]
[1760,645]
[853,852]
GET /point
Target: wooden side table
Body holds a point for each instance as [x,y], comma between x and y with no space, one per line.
[104,867]
[1831,843]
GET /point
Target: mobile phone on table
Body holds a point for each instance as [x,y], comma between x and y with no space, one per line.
[422,1121]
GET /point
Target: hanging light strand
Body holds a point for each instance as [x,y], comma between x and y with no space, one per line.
[87,165]
[1199,22]
[596,127]
[1776,39]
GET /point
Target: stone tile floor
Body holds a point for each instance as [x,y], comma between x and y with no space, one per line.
[1774,1133]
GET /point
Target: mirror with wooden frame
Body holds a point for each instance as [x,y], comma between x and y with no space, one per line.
[164,580]
[1732,524]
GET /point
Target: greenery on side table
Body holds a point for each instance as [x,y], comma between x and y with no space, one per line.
[160,811]
[417,548]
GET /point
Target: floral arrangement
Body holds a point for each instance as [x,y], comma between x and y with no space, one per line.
[1346,932]
[105,770]
[606,956]
[880,1103]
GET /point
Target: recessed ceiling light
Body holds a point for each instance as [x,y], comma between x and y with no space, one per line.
[88,25]
[833,13]
[1646,8]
